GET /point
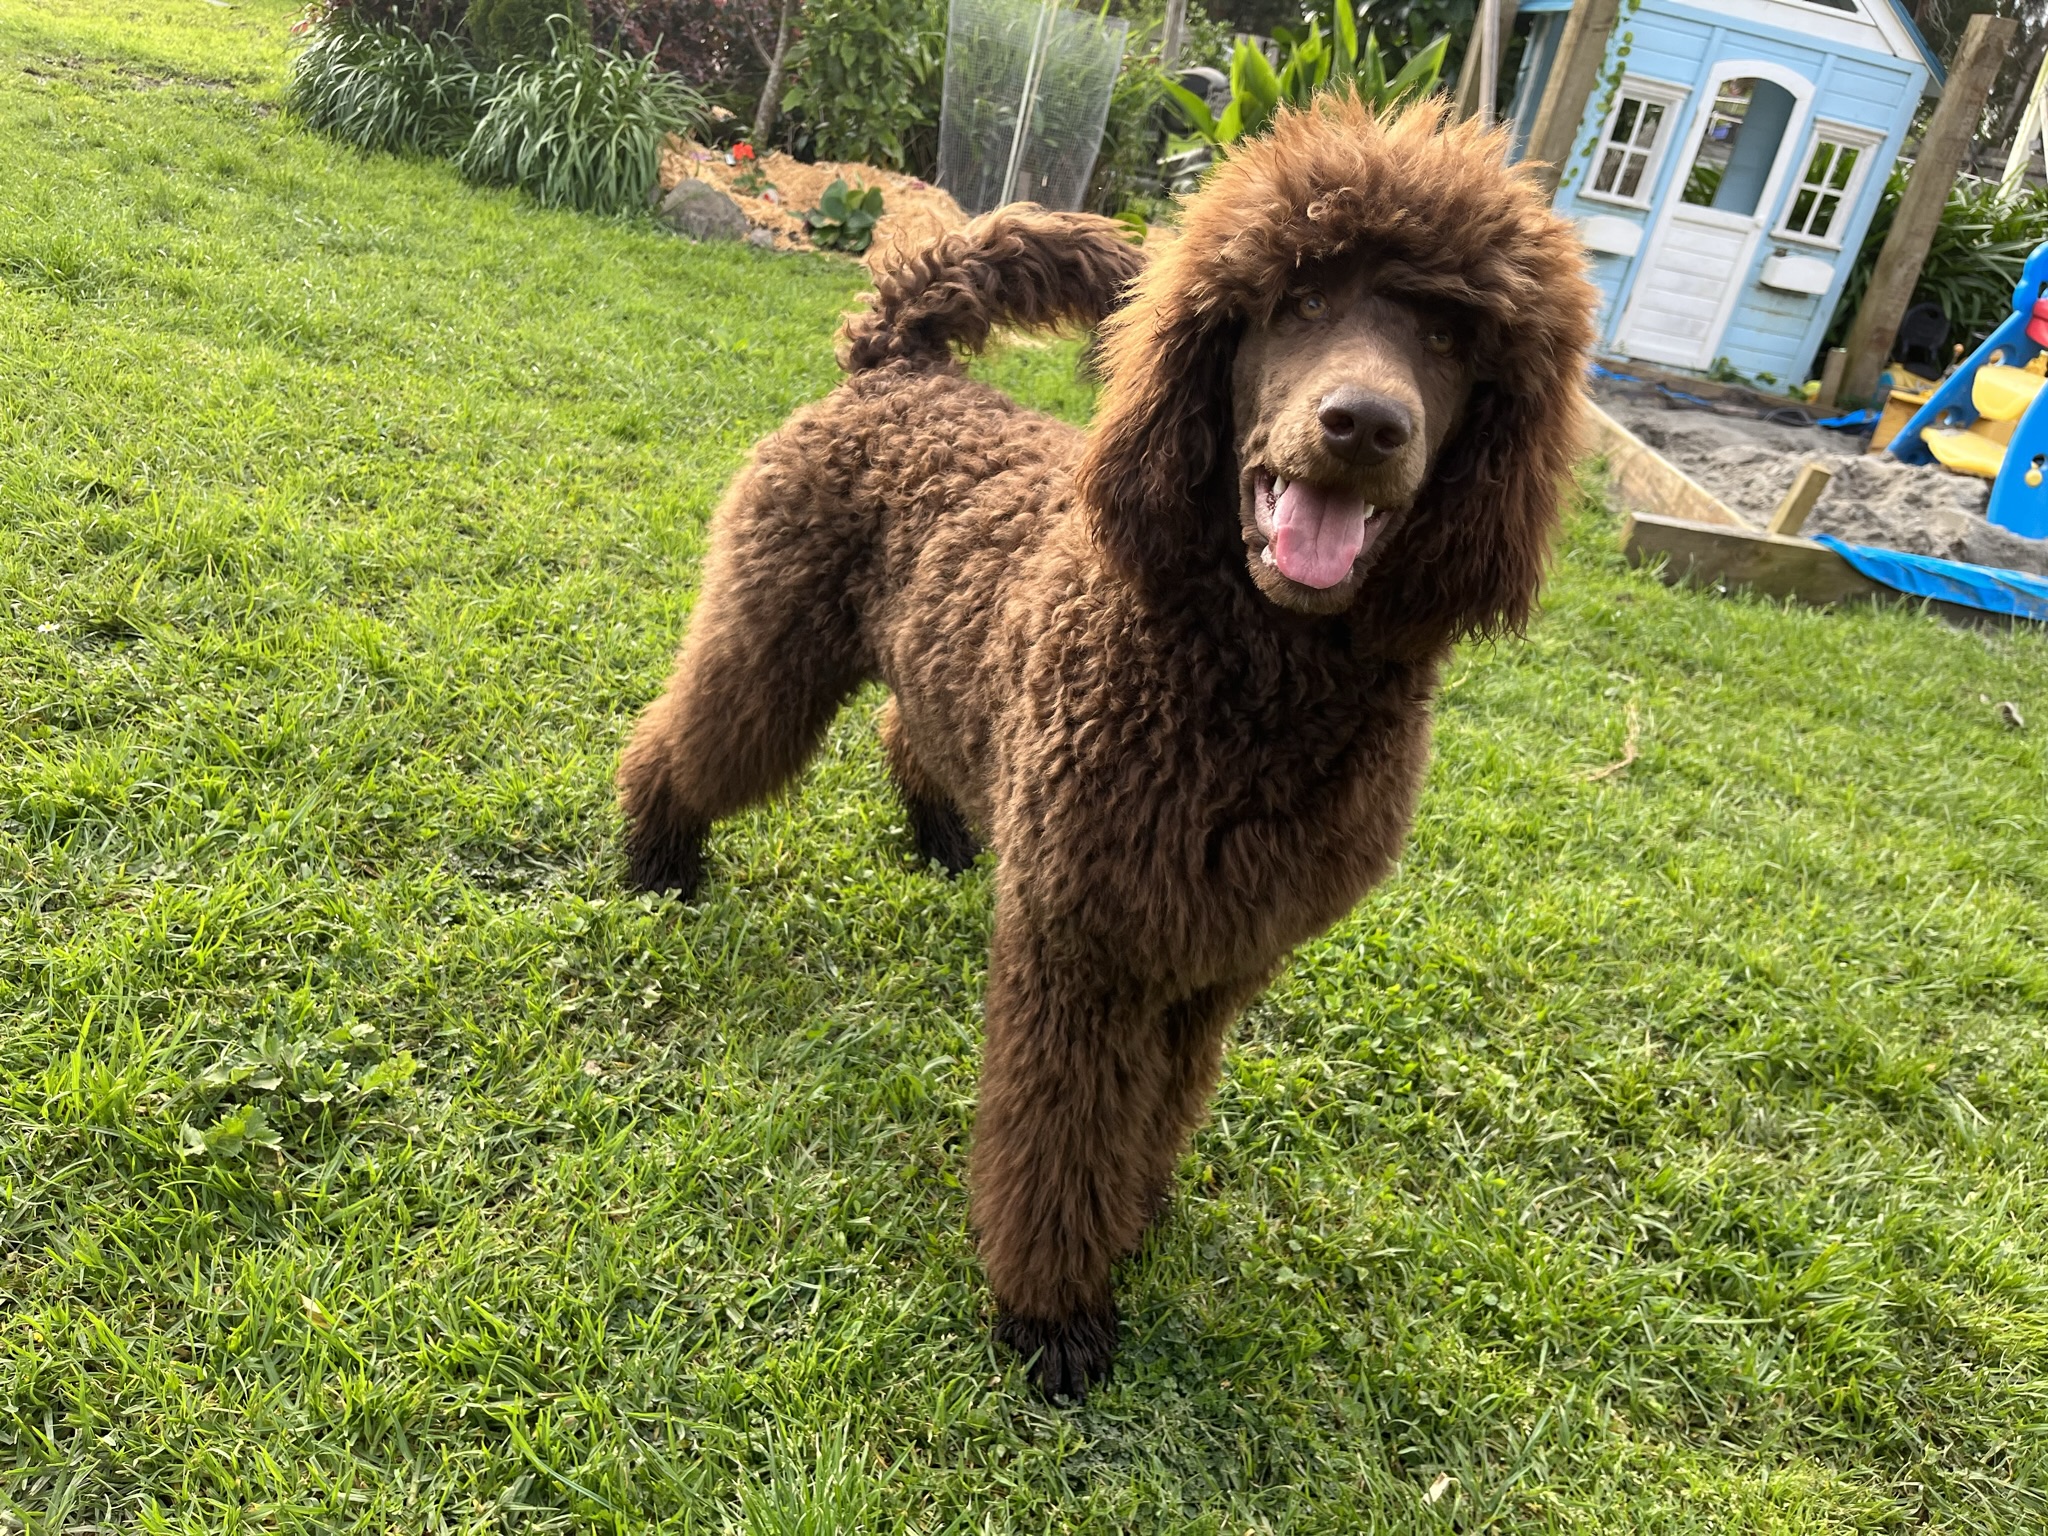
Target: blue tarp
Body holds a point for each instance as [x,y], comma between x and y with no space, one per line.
[1983,587]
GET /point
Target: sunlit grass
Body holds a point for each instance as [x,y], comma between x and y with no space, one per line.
[1659,1152]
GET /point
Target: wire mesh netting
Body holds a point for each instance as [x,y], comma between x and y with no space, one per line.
[1027,88]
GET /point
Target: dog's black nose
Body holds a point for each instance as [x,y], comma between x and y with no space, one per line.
[1364,427]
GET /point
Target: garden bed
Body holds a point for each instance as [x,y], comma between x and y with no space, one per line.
[914,212]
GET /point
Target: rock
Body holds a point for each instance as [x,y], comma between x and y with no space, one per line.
[764,238]
[699,210]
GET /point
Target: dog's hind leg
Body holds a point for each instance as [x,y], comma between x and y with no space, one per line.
[937,828]
[772,653]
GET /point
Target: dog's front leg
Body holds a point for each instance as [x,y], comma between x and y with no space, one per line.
[1072,1087]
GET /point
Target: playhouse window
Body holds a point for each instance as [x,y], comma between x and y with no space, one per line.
[1738,145]
[1825,198]
[1623,165]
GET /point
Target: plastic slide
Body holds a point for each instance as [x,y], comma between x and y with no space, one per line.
[1990,417]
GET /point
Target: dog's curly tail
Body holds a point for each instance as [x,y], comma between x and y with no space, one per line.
[1021,266]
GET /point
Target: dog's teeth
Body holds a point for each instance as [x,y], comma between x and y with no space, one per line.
[1266,556]
[1279,486]
[1371,513]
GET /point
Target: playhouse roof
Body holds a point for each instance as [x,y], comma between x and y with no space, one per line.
[1890,17]
[1938,76]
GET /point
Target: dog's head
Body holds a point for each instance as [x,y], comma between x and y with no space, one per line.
[1360,364]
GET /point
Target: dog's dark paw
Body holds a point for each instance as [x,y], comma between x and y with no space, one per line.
[942,835]
[664,856]
[1066,1356]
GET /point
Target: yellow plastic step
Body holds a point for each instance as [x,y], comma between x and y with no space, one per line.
[2003,393]
[1967,452]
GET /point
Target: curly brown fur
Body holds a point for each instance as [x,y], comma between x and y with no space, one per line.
[1193,744]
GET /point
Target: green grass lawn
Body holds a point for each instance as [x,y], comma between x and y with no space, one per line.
[1663,1152]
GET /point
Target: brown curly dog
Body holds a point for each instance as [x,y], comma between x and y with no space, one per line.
[1177,669]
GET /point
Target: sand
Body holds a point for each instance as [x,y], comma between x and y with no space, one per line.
[1873,499]
[914,212]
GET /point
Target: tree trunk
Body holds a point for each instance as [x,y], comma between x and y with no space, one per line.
[771,91]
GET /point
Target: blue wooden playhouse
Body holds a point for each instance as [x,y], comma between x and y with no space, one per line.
[1727,166]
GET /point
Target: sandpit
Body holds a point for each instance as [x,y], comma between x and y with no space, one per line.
[1873,499]
[914,213]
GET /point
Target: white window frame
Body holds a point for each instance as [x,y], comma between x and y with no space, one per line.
[1661,93]
[1866,142]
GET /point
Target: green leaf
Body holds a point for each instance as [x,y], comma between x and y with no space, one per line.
[1346,27]
[1372,78]
[1419,76]
[392,1072]
[1230,127]
[1254,92]
[1252,79]
[1199,118]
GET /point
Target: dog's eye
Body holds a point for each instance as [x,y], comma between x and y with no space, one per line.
[1311,305]
[1441,343]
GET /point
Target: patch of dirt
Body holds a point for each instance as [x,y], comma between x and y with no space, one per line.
[1873,499]
[914,213]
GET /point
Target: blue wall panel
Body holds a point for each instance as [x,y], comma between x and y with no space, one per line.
[1663,47]
[1871,95]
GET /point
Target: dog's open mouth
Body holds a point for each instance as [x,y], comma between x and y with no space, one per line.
[1314,534]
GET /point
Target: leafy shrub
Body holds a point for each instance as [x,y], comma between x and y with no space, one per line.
[1314,63]
[388,90]
[1136,127]
[581,128]
[1973,264]
[864,82]
[424,19]
[1127,163]
[1409,27]
[718,47]
[524,29]
[844,219]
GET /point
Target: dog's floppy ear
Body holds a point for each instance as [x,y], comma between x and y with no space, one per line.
[1472,557]
[1161,427]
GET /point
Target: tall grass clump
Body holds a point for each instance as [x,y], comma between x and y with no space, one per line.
[581,128]
[389,90]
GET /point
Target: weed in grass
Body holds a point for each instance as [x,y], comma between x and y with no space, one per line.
[1661,1152]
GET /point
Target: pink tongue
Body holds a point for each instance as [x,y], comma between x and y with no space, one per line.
[1317,534]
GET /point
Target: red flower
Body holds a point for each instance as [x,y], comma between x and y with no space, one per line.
[743,151]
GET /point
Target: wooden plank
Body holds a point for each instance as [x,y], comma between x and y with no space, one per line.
[1978,59]
[1831,378]
[1748,402]
[1644,481]
[1790,516]
[1580,53]
[1767,563]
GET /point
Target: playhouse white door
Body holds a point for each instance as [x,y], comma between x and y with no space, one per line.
[1700,253]
[1684,295]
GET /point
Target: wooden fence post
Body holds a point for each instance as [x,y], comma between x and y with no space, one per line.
[1574,73]
[1477,82]
[1172,33]
[1831,378]
[1876,325]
